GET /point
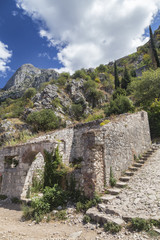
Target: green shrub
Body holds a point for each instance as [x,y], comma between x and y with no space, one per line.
[29,93]
[121,104]
[93,95]
[86,204]
[27,212]
[43,120]
[3,197]
[79,74]
[139,224]
[43,86]
[77,111]
[86,219]
[54,196]
[56,103]
[94,116]
[112,227]
[118,92]
[79,207]
[154,118]
[40,206]
[61,215]
[101,68]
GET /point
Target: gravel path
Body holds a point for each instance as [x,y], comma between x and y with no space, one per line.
[141,198]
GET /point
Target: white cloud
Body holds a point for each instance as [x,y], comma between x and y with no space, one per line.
[14,13]
[90,32]
[5,56]
[45,55]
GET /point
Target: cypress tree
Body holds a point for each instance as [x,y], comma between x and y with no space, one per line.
[153,49]
[116,78]
[126,79]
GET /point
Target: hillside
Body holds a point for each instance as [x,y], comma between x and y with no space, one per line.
[87,95]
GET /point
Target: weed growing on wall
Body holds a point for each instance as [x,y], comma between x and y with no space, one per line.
[54,171]
[112,180]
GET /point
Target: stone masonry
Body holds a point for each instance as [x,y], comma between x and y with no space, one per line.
[97,147]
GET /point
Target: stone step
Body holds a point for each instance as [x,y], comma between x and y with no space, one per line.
[100,217]
[124,179]
[141,161]
[102,207]
[137,165]
[114,191]
[151,151]
[144,158]
[147,154]
[107,198]
[129,173]
[133,169]
[120,184]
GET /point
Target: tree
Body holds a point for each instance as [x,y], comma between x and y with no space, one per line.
[116,78]
[155,58]
[126,79]
[43,120]
[146,88]
[121,104]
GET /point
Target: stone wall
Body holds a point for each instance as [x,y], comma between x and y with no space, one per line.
[98,147]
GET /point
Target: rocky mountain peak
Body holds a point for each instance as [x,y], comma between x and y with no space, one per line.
[21,74]
[25,77]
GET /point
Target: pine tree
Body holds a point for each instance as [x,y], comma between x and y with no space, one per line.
[155,58]
[116,78]
[126,79]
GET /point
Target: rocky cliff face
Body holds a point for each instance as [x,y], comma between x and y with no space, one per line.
[25,77]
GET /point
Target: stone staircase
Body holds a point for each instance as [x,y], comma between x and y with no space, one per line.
[102,214]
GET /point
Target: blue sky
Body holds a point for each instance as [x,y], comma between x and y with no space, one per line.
[71,34]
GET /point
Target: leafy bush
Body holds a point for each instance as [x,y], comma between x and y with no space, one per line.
[83,206]
[139,224]
[27,212]
[154,118]
[40,206]
[94,116]
[121,104]
[54,196]
[93,95]
[56,103]
[79,74]
[29,93]
[146,88]
[43,120]
[3,197]
[77,110]
[61,215]
[118,92]
[112,227]
[86,219]
[43,86]
[102,68]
